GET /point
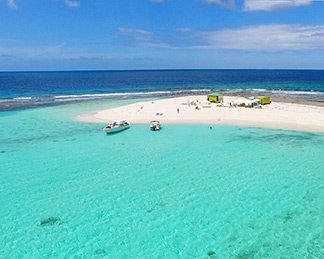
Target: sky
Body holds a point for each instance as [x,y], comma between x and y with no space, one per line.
[161,34]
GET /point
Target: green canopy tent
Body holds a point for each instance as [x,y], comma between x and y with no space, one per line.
[215,98]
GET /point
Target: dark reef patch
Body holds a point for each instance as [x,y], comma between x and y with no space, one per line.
[156,206]
[249,254]
[100,251]
[211,254]
[51,221]
[289,216]
[290,139]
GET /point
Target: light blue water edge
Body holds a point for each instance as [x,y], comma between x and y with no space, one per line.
[68,190]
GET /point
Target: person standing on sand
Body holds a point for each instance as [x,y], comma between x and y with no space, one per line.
[178,110]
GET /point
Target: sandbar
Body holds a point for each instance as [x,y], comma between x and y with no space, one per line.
[196,110]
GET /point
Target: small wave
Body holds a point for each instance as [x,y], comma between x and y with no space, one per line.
[274,91]
[285,92]
[76,97]
[27,101]
[235,90]
[23,98]
[127,94]
[258,90]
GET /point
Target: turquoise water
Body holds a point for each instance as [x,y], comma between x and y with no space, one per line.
[67,190]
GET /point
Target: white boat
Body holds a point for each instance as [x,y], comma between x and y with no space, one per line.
[155,125]
[116,126]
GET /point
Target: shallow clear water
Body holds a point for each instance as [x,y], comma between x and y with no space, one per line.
[67,190]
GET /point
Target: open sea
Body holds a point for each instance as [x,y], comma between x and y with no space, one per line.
[26,89]
[69,191]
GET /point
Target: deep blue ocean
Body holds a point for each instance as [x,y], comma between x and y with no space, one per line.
[23,89]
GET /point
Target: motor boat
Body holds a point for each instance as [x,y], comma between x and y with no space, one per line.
[116,126]
[155,125]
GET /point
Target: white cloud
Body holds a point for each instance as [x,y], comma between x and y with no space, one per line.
[138,34]
[30,52]
[69,3]
[272,37]
[270,5]
[12,4]
[266,37]
[184,30]
[72,3]
[222,3]
[144,38]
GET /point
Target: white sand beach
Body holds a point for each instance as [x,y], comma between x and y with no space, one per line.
[275,115]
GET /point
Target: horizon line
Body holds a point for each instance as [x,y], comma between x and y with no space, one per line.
[159,69]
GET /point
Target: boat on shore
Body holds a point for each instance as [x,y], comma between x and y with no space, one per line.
[155,125]
[116,126]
